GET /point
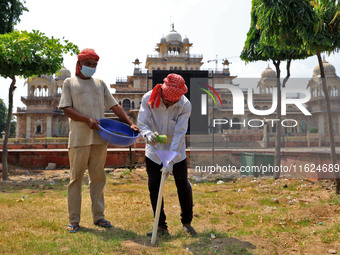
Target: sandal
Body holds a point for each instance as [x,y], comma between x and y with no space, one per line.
[103,223]
[73,228]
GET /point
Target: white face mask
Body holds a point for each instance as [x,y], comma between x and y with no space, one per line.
[87,71]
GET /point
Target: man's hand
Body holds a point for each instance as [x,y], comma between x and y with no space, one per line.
[93,123]
[134,127]
[152,139]
[168,170]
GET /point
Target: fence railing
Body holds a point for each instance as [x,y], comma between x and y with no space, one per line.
[37,140]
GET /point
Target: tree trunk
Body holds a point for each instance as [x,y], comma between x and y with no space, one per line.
[7,130]
[289,61]
[330,122]
[277,162]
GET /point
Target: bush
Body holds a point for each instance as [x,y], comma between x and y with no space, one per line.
[313,130]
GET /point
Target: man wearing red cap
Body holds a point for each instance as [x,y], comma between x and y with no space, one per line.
[166,111]
[84,100]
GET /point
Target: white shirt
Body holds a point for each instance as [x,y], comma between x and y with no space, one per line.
[171,121]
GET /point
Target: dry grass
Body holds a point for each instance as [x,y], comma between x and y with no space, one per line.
[247,217]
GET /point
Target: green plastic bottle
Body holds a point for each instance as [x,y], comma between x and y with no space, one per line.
[162,138]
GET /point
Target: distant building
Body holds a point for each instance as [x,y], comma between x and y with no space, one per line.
[173,53]
[317,104]
[263,101]
[42,118]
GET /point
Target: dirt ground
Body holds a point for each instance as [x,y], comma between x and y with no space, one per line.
[20,177]
[317,190]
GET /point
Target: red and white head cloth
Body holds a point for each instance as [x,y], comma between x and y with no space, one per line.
[173,89]
[85,54]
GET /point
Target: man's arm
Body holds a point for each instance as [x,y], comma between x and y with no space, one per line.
[77,116]
[145,119]
[119,111]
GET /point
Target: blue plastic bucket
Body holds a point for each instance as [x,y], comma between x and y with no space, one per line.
[108,127]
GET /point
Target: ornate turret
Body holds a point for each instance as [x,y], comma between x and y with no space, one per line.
[329,69]
[173,54]
[267,81]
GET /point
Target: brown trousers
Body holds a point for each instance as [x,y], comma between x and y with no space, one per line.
[93,158]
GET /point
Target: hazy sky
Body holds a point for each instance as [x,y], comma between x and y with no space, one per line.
[121,31]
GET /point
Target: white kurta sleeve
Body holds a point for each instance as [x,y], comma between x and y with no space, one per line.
[144,119]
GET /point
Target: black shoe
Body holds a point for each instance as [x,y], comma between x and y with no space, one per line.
[161,231]
[189,229]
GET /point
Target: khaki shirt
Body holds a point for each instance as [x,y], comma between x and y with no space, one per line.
[90,97]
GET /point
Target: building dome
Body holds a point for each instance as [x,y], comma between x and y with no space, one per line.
[186,40]
[47,77]
[268,73]
[173,36]
[163,40]
[329,69]
[63,73]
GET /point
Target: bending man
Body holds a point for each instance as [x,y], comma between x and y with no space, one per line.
[166,111]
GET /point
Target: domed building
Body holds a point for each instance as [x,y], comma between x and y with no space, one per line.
[267,81]
[329,70]
[41,116]
[173,53]
[317,104]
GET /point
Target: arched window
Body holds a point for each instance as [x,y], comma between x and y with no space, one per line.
[133,105]
[38,126]
[126,104]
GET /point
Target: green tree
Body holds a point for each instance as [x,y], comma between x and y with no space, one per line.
[325,37]
[28,54]
[10,12]
[261,46]
[314,27]
[3,114]
[12,131]
[3,117]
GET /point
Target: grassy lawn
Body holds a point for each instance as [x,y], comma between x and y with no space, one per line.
[239,216]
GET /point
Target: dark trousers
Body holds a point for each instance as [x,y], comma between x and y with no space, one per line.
[184,191]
